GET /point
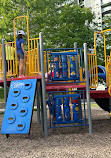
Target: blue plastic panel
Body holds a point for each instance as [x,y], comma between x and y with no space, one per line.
[60,64]
[18,113]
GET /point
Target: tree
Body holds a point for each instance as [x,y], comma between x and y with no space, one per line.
[107,25]
[62,24]
[100,41]
[74,26]
[37,11]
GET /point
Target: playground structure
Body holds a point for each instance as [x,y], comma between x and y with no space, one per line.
[19,105]
[66,87]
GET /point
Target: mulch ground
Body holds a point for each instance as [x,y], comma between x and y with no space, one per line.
[72,142]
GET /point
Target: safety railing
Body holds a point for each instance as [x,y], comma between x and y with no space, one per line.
[69,71]
[46,61]
[108,69]
[12,63]
[11,60]
[108,73]
[93,72]
[47,65]
[33,55]
[31,62]
[1,62]
[66,108]
[107,58]
[26,66]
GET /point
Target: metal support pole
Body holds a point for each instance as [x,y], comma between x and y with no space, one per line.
[75,44]
[41,107]
[87,88]
[39,56]
[43,85]
[38,102]
[4,70]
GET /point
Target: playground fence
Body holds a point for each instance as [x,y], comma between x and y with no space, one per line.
[93,72]
[26,66]
[33,55]
[1,61]
[108,73]
[11,60]
[69,66]
[66,108]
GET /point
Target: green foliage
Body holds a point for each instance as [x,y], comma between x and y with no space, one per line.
[74,25]
[107,25]
[61,24]
[100,41]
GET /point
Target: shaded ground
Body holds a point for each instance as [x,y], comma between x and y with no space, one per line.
[73,142]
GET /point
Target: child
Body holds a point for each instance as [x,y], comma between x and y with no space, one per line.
[20,51]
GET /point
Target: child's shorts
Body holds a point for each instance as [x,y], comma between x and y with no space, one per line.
[20,56]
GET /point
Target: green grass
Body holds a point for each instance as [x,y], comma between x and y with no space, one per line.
[93,104]
[1,94]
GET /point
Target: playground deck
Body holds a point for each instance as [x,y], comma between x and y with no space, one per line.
[63,86]
[13,79]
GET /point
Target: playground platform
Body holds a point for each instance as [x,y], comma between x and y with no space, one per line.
[23,78]
[63,86]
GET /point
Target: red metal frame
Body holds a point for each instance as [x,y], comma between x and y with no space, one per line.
[24,78]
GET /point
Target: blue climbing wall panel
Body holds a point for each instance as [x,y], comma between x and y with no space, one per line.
[18,112]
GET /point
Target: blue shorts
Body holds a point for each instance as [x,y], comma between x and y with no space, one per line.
[20,56]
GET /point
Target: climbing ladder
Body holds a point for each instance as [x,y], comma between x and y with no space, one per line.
[18,112]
